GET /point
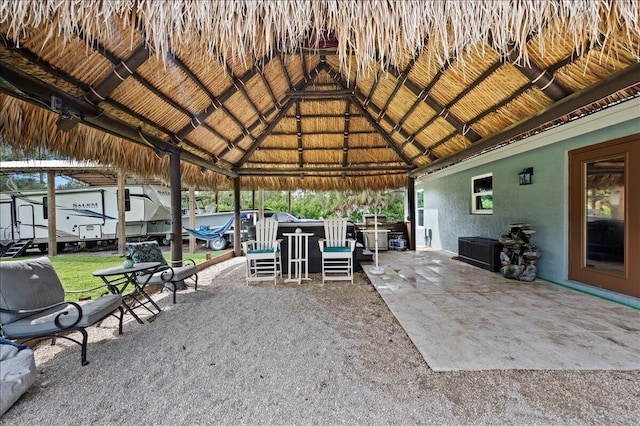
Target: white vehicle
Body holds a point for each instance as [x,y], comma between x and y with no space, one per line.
[86,215]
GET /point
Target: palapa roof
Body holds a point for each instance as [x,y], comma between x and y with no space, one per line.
[305,94]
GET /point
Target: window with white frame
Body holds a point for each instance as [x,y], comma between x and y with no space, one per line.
[482,194]
[420,206]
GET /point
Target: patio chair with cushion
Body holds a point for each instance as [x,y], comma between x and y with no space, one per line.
[264,262]
[172,275]
[337,251]
[32,304]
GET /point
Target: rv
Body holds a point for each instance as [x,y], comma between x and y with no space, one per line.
[87,215]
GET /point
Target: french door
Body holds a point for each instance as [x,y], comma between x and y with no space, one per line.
[604,215]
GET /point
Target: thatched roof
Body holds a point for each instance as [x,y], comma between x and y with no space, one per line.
[305,94]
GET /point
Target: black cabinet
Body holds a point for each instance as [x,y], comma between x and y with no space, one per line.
[481,252]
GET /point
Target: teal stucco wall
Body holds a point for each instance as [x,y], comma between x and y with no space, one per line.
[543,204]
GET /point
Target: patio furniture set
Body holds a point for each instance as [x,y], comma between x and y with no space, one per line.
[335,250]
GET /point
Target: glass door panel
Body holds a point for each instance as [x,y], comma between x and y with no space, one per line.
[604,196]
[604,215]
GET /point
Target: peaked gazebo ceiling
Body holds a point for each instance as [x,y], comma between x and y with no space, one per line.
[386,90]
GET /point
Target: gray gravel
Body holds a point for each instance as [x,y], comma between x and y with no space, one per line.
[311,354]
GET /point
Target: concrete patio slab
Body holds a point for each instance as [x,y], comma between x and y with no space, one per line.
[461,317]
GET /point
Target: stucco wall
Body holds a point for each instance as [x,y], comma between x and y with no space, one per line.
[447,194]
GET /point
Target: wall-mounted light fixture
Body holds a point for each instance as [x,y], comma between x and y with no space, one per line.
[525,176]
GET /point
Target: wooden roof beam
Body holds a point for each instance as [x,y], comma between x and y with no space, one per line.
[541,78]
[502,103]
[321,94]
[345,141]
[121,71]
[239,84]
[461,127]
[318,148]
[281,113]
[285,72]
[298,170]
[258,67]
[401,78]
[422,97]
[327,132]
[216,102]
[299,134]
[374,86]
[32,89]
[148,122]
[608,86]
[359,99]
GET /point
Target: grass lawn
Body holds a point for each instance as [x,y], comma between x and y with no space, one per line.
[76,272]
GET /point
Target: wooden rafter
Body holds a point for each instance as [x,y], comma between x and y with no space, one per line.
[239,84]
[345,141]
[258,66]
[457,124]
[358,101]
[216,103]
[299,134]
[538,76]
[281,113]
[285,72]
[400,79]
[628,77]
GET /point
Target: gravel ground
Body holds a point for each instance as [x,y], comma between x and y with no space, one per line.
[311,354]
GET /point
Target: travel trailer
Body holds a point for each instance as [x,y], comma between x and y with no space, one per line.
[87,215]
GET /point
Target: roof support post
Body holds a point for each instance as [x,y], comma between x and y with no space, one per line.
[236,211]
[51,211]
[176,210]
[122,223]
[411,216]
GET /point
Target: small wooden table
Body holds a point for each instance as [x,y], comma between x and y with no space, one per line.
[298,250]
[118,278]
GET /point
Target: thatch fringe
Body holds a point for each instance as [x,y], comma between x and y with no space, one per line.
[378,34]
[28,127]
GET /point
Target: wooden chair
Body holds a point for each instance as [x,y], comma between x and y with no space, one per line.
[264,261]
[337,251]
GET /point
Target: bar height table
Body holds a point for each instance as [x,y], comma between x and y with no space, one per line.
[118,278]
[298,248]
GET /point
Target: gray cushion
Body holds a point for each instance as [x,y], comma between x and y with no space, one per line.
[179,274]
[43,324]
[28,284]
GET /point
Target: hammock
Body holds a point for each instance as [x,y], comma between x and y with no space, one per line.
[205,234]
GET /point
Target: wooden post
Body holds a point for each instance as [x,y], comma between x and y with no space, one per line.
[51,212]
[411,225]
[261,201]
[237,223]
[176,208]
[122,221]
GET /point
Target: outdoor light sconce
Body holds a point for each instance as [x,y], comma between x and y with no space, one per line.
[525,176]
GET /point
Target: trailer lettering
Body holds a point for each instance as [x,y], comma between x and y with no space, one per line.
[85,205]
